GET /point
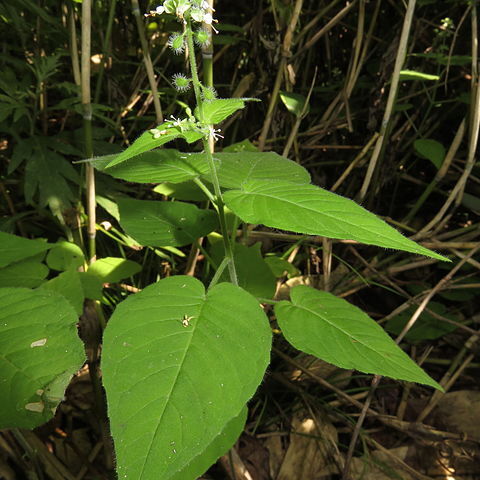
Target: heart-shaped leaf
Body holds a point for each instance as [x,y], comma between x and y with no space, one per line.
[176,370]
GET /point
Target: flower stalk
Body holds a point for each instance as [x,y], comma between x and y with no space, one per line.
[189,12]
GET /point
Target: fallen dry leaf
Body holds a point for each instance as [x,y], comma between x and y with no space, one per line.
[312,450]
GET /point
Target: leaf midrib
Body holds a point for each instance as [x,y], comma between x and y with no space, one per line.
[337,327]
[330,216]
[180,368]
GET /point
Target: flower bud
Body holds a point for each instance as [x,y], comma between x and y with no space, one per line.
[177,43]
[202,37]
[181,82]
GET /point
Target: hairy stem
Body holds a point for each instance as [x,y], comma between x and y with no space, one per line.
[209,155]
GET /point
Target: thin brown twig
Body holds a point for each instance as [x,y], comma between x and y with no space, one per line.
[392,95]
[147,60]
[286,53]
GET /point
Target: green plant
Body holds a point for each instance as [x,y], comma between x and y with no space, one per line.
[181,359]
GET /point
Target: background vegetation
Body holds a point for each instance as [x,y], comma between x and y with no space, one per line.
[324,71]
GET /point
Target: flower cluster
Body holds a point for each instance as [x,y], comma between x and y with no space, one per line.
[184,125]
[197,10]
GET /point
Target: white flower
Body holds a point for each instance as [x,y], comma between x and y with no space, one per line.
[205,5]
[198,15]
[158,133]
[208,20]
[177,122]
[181,9]
[157,11]
[214,133]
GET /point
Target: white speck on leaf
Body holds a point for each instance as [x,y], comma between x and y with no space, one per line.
[38,343]
[36,407]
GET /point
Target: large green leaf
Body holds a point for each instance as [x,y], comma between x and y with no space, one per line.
[14,248]
[236,169]
[29,273]
[314,211]
[161,224]
[148,141]
[39,349]
[220,445]
[165,165]
[177,367]
[332,329]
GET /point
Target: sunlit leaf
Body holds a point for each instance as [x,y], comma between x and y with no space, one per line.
[176,372]
[294,102]
[311,210]
[336,331]
[39,348]
[165,165]
[112,269]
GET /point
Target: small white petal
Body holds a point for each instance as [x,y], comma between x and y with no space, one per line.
[182,9]
[198,15]
[159,10]
[208,19]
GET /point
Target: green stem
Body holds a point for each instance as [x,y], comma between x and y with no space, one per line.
[87,126]
[205,190]
[208,152]
[193,64]
[218,273]
[221,213]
